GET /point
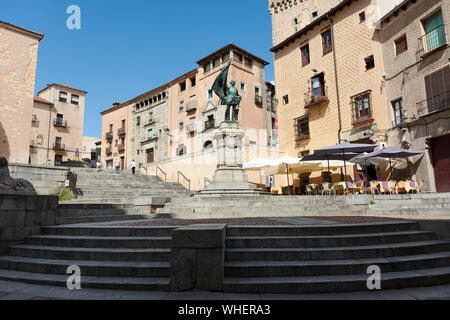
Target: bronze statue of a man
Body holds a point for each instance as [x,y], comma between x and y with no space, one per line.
[228,95]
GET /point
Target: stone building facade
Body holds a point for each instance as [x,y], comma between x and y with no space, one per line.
[416,52]
[177,120]
[329,80]
[18,59]
[57,125]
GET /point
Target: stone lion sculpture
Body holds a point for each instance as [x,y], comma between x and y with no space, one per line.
[8,183]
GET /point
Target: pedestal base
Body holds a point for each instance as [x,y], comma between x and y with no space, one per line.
[231,181]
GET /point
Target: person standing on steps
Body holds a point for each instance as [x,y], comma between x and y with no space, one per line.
[133,167]
[118,167]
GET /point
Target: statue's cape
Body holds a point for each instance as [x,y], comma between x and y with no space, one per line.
[220,85]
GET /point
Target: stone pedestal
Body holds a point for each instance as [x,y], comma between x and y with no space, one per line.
[230,177]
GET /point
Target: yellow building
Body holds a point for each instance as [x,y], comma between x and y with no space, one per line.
[57,125]
[18,59]
[329,79]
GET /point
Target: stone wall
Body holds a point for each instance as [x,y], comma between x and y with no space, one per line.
[46,180]
[22,216]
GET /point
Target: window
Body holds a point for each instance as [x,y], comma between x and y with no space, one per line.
[435,35]
[302,128]
[210,94]
[370,62]
[398,112]
[150,117]
[74,99]
[401,45]
[286,99]
[183,86]
[58,159]
[207,67]
[58,141]
[362,17]
[59,119]
[208,145]
[437,86]
[243,87]
[150,134]
[305,55]
[137,107]
[238,56]
[138,121]
[296,21]
[362,110]
[62,96]
[181,126]
[110,128]
[256,91]
[193,82]
[326,42]
[181,106]
[123,123]
[216,62]
[318,85]
[181,150]
[226,57]
[150,155]
[248,62]
[315,14]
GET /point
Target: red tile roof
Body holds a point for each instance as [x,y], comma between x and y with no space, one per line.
[39,99]
[63,86]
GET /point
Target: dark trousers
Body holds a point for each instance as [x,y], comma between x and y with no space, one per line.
[133,170]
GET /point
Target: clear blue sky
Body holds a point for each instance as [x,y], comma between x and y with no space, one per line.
[125,48]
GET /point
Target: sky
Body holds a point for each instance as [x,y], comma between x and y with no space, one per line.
[126,48]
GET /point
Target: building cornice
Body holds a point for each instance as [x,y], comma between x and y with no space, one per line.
[36,35]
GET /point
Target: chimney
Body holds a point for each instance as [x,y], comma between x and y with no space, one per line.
[115,104]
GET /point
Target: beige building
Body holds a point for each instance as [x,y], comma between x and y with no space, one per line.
[414,38]
[329,80]
[18,59]
[57,125]
[173,126]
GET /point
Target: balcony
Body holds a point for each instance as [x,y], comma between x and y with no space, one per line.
[302,136]
[121,147]
[121,132]
[109,136]
[363,117]
[192,106]
[191,128]
[60,123]
[434,104]
[150,122]
[259,100]
[432,41]
[210,124]
[59,146]
[149,139]
[315,99]
[108,150]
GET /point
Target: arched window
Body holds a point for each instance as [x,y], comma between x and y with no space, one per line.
[208,145]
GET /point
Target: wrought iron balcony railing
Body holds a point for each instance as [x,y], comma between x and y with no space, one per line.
[59,146]
[60,123]
[109,136]
[433,40]
[121,147]
[312,99]
[191,106]
[121,132]
[437,103]
[108,150]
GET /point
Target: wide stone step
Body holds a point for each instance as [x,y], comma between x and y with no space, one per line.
[88,268]
[100,242]
[100,231]
[328,241]
[93,206]
[92,219]
[411,212]
[97,254]
[337,283]
[96,212]
[110,283]
[334,253]
[316,230]
[334,267]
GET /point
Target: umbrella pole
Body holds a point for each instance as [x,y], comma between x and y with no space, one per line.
[328,158]
[287,175]
[345,166]
[390,164]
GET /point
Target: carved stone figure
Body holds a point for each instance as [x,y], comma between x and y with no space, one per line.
[10,184]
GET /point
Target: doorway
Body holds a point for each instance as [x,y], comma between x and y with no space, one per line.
[122,163]
[440,148]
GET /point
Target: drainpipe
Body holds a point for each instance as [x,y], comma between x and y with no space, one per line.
[336,80]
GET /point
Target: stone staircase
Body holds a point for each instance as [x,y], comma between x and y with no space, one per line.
[258,259]
[109,187]
[109,257]
[320,259]
[414,205]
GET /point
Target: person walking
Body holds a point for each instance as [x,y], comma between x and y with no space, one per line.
[98,165]
[118,167]
[133,167]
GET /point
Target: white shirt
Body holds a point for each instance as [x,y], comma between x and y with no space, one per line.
[133,164]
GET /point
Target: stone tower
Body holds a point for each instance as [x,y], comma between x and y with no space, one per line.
[290,16]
